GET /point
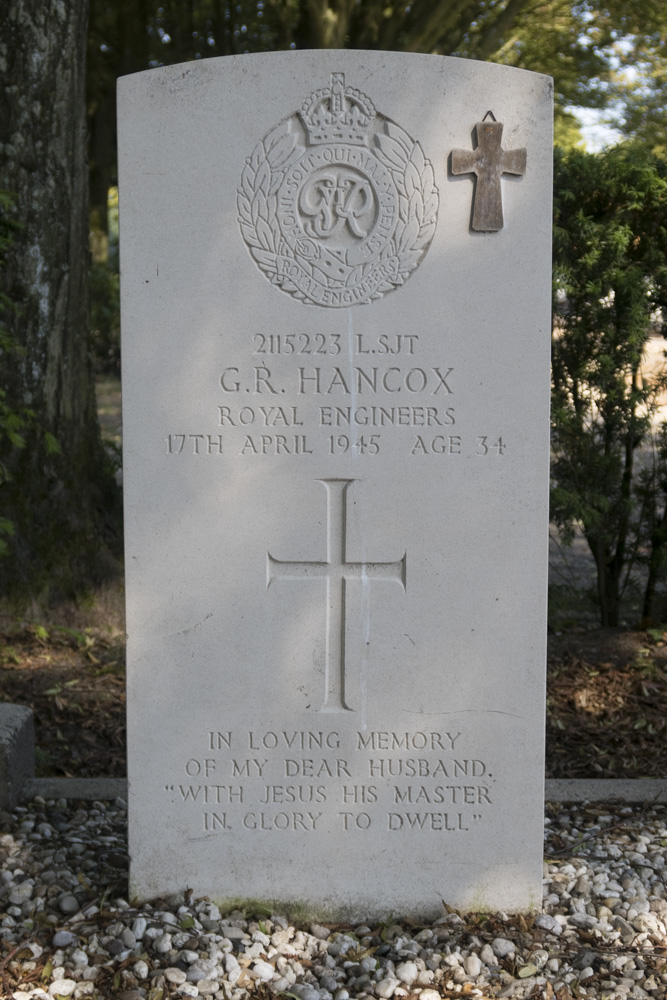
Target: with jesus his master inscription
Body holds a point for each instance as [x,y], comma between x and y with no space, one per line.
[337,570]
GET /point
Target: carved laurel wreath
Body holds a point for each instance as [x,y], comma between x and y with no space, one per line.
[411,172]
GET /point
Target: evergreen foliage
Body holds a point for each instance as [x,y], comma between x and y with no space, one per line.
[610,248]
[582,45]
[105,318]
[610,295]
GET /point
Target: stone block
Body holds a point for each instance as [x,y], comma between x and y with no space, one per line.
[17,753]
[336,289]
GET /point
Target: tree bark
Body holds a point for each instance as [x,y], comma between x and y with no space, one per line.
[608,581]
[656,564]
[61,504]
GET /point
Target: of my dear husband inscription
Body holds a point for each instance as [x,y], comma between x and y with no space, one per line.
[335,558]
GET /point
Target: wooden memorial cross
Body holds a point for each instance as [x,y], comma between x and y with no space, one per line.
[488,161]
[336,571]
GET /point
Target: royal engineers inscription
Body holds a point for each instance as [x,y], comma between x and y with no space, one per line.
[336,329]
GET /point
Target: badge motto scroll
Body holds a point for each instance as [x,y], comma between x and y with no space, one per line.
[337,204]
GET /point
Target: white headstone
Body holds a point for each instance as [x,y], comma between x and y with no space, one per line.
[336,327]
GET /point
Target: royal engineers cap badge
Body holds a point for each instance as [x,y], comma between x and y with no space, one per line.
[337,204]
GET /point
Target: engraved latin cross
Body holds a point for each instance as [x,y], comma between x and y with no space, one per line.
[489,161]
[336,570]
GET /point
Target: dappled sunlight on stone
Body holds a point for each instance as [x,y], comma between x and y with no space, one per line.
[336,396]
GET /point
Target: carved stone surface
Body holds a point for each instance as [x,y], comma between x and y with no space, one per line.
[337,204]
[336,570]
[336,517]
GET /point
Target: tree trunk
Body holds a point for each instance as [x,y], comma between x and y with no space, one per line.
[608,581]
[62,505]
[656,565]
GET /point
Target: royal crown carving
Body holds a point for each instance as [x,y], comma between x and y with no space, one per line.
[337,204]
[337,114]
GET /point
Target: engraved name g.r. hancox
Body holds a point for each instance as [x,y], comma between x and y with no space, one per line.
[337,204]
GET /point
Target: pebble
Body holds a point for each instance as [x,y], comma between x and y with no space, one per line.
[21,893]
[63,939]
[599,936]
[502,947]
[305,991]
[473,965]
[206,987]
[263,970]
[548,923]
[69,904]
[584,920]
[318,931]
[627,931]
[62,988]
[232,933]
[407,972]
[175,976]
[162,944]
[487,955]
[139,927]
[140,969]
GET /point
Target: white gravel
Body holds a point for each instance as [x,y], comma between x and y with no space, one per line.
[68,930]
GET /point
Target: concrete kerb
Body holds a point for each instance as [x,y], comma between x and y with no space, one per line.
[94,789]
[17,780]
[17,753]
[556,789]
[605,789]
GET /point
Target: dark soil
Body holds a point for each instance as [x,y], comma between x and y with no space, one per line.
[606,699]
[607,704]
[74,681]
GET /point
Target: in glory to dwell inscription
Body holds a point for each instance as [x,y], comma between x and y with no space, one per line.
[316,781]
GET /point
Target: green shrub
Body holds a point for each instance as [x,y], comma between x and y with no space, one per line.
[610,294]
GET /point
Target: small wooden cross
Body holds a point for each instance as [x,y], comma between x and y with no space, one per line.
[488,161]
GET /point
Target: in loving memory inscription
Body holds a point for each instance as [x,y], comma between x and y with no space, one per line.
[308,781]
[325,553]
